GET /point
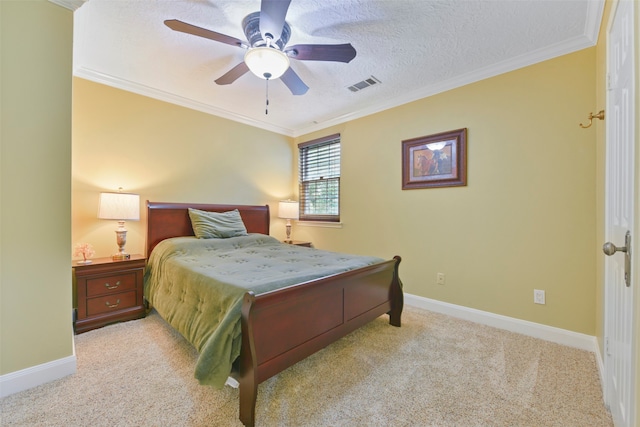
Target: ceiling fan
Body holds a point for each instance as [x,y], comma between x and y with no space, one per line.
[267,54]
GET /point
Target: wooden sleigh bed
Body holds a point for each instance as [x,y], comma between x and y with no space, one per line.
[281,327]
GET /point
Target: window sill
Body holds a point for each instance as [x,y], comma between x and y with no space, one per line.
[325,224]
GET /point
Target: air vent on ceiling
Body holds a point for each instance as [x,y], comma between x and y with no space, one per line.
[364,84]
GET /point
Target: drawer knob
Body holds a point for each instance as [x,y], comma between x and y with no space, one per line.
[108,285]
[108,304]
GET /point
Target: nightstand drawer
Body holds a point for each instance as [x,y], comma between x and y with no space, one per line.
[108,291]
[111,284]
[111,303]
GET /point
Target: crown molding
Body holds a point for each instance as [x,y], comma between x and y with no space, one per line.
[72,5]
[595,11]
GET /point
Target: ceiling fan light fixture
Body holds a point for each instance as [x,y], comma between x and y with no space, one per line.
[266,62]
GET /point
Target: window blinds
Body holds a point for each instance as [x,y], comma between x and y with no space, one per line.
[319,177]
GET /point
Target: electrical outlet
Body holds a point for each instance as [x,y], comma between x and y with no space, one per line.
[538,296]
[440,279]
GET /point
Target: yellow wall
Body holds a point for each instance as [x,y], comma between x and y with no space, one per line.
[35,309]
[166,153]
[525,221]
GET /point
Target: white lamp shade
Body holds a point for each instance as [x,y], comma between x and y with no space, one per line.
[288,209]
[266,62]
[119,206]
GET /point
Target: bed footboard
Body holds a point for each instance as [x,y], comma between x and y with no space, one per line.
[282,327]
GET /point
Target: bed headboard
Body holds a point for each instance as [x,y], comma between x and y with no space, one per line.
[165,220]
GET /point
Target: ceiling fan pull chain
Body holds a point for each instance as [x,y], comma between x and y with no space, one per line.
[266,108]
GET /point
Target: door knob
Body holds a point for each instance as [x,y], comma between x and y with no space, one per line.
[610,249]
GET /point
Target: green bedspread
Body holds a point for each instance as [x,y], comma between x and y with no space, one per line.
[197,286]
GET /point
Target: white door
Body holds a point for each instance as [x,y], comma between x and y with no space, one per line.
[620,166]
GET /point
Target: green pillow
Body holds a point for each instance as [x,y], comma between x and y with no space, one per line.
[207,225]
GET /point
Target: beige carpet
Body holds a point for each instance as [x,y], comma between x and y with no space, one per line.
[434,371]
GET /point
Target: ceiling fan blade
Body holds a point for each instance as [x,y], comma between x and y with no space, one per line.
[272,16]
[322,52]
[233,74]
[294,82]
[176,25]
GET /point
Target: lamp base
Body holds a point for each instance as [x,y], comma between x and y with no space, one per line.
[288,228]
[121,240]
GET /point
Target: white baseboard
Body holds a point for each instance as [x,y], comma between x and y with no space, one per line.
[532,329]
[34,376]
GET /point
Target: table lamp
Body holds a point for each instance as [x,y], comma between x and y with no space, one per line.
[121,207]
[288,209]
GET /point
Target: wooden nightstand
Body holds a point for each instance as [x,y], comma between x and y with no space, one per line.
[299,243]
[108,291]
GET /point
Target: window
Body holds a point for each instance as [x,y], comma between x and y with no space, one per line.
[319,178]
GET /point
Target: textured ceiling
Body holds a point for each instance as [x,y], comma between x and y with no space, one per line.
[415,48]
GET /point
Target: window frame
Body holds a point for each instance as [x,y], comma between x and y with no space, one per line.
[303,168]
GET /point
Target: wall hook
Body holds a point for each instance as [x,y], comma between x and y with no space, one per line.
[592,116]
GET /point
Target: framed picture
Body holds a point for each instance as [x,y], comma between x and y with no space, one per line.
[435,161]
